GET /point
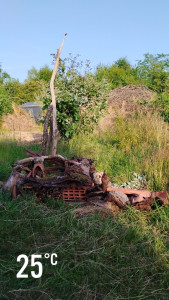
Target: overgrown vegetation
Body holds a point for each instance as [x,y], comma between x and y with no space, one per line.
[80,98]
[99,257]
[137,145]
[81,95]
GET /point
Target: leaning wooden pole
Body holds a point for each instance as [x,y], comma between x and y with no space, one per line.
[45,130]
[55,128]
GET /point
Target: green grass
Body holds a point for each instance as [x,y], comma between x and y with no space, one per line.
[139,145]
[125,257]
[122,257]
[11,151]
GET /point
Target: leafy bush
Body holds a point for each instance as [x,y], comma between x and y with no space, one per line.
[162,103]
[154,71]
[80,98]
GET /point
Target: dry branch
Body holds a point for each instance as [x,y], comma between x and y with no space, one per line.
[45,130]
[55,129]
[73,179]
[51,137]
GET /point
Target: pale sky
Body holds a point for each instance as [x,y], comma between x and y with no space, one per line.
[99,30]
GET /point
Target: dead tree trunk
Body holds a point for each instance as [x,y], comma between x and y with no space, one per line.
[51,135]
[49,142]
[55,129]
[45,130]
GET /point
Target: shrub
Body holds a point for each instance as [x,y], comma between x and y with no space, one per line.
[80,98]
[162,103]
[139,145]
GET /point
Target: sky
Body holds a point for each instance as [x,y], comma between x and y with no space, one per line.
[99,30]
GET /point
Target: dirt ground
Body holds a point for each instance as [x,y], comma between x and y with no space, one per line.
[23,137]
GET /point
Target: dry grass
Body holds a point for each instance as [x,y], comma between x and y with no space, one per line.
[139,144]
[20,126]
[19,120]
[126,100]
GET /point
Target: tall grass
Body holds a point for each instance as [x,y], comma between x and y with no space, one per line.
[11,151]
[122,257]
[140,144]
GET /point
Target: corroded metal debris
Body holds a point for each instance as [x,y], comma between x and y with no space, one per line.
[75,179]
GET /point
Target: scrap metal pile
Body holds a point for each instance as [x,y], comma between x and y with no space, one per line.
[75,179]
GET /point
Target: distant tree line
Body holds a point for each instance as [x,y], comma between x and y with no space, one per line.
[81,94]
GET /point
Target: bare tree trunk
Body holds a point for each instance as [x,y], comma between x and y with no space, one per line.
[55,129]
[49,141]
[45,130]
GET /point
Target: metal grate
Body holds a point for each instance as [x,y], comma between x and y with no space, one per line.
[75,193]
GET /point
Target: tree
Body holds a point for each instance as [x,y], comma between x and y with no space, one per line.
[25,92]
[121,73]
[5,100]
[44,73]
[16,91]
[3,76]
[154,71]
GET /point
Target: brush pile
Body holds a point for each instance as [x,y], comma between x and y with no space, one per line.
[75,180]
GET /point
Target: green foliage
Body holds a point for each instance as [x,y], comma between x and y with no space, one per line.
[104,256]
[31,89]
[118,74]
[134,145]
[44,73]
[16,91]
[81,95]
[80,99]
[100,256]
[3,76]
[162,104]
[154,71]
[24,92]
[10,152]
[5,101]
